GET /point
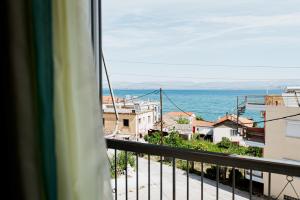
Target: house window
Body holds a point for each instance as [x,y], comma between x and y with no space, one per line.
[103,121]
[233,132]
[140,120]
[149,119]
[293,128]
[126,122]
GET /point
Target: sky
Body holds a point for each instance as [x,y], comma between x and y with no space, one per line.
[198,41]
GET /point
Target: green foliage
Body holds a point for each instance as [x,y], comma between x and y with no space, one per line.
[225,146]
[153,138]
[121,162]
[199,117]
[225,143]
[183,120]
[173,139]
[254,151]
[238,176]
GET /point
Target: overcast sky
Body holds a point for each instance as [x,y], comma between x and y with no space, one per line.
[206,40]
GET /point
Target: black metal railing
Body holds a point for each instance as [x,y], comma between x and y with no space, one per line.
[218,159]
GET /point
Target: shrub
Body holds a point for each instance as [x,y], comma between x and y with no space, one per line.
[121,162]
[225,143]
[153,138]
[238,176]
[254,151]
[211,173]
[182,120]
[173,139]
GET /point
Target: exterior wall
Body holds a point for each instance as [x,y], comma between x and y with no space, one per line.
[280,146]
[220,132]
[110,123]
[223,131]
[145,121]
[204,130]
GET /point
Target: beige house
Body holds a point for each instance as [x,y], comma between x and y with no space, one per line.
[135,117]
[282,141]
[282,137]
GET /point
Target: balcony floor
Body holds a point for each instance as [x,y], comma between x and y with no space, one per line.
[194,185]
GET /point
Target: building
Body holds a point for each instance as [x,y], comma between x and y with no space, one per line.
[190,116]
[255,137]
[282,137]
[203,128]
[227,127]
[135,116]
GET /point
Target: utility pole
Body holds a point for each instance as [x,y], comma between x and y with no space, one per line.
[161,117]
[237,114]
[161,141]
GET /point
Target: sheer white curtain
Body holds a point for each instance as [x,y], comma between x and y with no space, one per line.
[82,162]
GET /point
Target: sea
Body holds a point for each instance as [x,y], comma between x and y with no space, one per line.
[209,104]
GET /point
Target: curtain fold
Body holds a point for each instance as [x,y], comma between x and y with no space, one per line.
[22,79]
[42,32]
[82,163]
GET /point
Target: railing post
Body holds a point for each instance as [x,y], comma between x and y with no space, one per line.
[174,179]
[250,185]
[148,176]
[126,178]
[187,179]
[137,176]
[116,182]
[269,186]
[202,174]
[233,183]
[217,182]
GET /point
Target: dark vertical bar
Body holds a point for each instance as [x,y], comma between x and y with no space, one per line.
[187,180]
[161,142]
[202,174]
[269,186]
[148,177]
[174,179]
[137,176]
[116,184]
[126,178]
[161,183]
[250,185]
[217,182]
[233,183]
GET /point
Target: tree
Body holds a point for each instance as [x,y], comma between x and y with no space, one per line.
[183,120]
[199,117]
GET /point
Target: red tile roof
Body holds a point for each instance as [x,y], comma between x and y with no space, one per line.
[242,120]
[179,114]
[108,100]
[202,123]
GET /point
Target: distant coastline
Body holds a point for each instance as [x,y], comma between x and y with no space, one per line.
[210,104]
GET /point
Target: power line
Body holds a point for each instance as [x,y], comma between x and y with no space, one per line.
[205,65]
[199,77]
[275,119]
[172,102]
[143,95]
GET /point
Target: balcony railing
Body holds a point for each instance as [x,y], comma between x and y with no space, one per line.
[253,101]
[218,159]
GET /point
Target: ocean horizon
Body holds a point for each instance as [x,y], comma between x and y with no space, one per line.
[209,104]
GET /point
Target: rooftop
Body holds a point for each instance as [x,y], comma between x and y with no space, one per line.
[202,123]
[242,120]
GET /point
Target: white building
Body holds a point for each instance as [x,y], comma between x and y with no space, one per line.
[135,116]
[203,128]
[226,127]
